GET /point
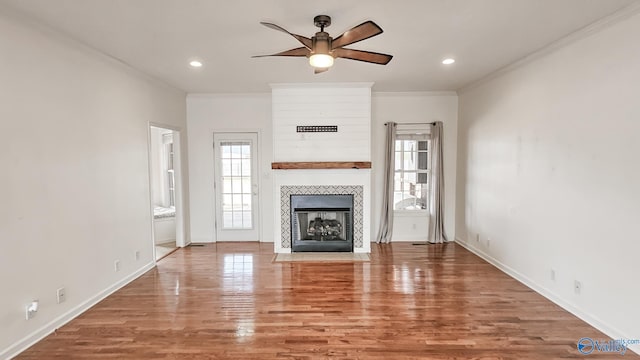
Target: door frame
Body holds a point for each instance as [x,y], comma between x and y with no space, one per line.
[181,238]
[258,219]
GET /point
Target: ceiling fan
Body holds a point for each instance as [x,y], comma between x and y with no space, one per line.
[322,49]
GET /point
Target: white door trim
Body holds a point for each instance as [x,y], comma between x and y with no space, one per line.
[181,238]
[257,206]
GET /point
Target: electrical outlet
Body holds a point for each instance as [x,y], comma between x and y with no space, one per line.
[116,265]
[61,295]
[552,274]
[577,287]
[414,226]
[488,242]
[31,309]
[477,237]
[137,255]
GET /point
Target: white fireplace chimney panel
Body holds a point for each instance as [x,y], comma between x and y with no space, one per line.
[347,106]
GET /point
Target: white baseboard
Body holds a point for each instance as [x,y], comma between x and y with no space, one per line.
[165,241]
[581,314]
[58,322]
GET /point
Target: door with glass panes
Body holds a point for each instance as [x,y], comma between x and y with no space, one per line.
[236,186]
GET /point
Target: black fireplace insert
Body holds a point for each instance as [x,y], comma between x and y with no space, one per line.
[322,223]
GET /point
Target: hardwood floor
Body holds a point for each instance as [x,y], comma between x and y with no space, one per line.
[230,301]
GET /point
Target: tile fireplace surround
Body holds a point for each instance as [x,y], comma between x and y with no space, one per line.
[285,208]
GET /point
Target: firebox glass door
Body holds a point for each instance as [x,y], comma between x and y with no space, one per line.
[236,186]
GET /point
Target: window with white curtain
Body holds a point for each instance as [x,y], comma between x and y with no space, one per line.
[412,170]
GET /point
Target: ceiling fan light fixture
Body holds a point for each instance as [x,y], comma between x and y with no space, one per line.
[321,60]
[448,61]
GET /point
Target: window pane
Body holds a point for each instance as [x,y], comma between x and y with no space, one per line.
[226,167]
[235,151]
[404,202]
[397,182]
[423,145]
[245,151]
[236,185]
[246,167]
[398,161]
[237,202]
[409,145]
[226,185]
[225,149]
[409,160]
[227,219]
[235,167]
[422,160]
[237,219]
[421,196]
[246,185]
[423,178]
[410,177]
[246,219]
[226,203]
[398,145]
[246,202]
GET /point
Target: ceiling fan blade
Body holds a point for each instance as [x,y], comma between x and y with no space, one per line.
[303,40]
[366,56]
[320,70]
[301,51]
[361,32]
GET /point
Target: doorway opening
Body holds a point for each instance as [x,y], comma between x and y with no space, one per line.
[166,194]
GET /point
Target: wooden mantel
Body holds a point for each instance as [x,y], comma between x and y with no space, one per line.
[321,165]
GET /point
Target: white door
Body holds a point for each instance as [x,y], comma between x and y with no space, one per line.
[236,186]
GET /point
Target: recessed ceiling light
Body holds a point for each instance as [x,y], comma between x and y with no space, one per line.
[448,61]
[195,63]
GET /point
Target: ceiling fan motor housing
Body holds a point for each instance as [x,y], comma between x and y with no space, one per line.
[321,43]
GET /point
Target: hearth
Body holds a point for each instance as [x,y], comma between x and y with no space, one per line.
[322,223]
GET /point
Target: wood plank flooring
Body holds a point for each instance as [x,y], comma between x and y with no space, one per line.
[230,301]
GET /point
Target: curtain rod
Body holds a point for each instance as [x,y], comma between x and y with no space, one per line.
[429,123]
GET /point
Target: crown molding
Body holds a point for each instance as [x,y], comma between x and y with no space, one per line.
[582,33]
[227,95]
[321,85]
[413,93]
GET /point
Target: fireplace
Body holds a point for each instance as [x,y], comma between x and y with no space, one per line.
[322,222]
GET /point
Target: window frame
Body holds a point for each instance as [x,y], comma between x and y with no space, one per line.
[418,135]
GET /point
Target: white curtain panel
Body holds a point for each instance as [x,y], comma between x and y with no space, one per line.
[436,223]
[386,219]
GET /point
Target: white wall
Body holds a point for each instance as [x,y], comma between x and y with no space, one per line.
[347,106]
[251,112]
[209,113]
[414,107]
[548,171]
[75,177]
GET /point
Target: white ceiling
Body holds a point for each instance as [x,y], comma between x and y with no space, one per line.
[159,37]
